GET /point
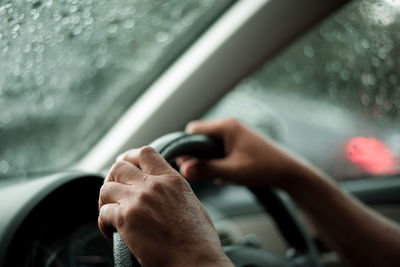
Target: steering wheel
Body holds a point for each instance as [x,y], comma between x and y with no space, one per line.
[276,203]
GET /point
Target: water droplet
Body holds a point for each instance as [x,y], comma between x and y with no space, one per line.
[297,77]
[365,43]
[382,53]
[102,48]
[77,30]
[65,21]
[35,15]
[365,100]
[4,166]
[187,22]
[308,51]
[129,24]
[162,37]
[48,3]
[100,62]
[73,9]
[380,99]
[49,103]
[31,28]
[112,28]
[156,21]
[89,21]
[368,79]
[75,19]
[57,16]
[39,80]
[39,25]
[5,49]
[16,27]
[375,62]
[88,89]
[345,75]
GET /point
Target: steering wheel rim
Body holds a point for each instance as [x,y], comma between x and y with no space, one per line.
[275,202]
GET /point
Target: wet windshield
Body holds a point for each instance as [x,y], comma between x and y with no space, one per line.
[68,69]
[334,95]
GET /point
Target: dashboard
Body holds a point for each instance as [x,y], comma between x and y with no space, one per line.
[52,221]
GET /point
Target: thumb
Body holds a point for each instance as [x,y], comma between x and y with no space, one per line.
[215,128]
[205,169]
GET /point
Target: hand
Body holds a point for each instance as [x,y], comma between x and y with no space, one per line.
[251,159]
[157,214]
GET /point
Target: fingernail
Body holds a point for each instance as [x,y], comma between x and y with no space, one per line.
[120,156]
[190,126]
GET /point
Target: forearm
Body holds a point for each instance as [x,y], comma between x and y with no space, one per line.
[360,236]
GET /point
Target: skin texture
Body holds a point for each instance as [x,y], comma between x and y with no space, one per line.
[251,159]
[163,223]
[157,214]
[359,235]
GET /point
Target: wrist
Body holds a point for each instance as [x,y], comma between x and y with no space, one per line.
[298,176]
[200,256]
[206,260]
[306,184]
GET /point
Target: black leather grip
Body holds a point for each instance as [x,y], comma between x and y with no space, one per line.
[122,255]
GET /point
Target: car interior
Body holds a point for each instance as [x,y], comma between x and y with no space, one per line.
[82,81]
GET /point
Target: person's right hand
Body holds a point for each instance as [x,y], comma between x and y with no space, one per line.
[251,159]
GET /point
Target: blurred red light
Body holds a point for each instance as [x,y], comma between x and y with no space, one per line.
[371,154]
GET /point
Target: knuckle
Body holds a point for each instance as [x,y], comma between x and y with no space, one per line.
[156,185]
[131,214]
[118,165]
[123,156]
[146,150]
[144,197]
[232,122]
[176,180]
[105,191]
[114,169]
[180,183]
[117,170]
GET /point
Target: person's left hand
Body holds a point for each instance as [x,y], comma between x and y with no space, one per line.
[157,214]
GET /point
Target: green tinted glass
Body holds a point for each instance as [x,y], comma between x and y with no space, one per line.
[68,69]
[333,96]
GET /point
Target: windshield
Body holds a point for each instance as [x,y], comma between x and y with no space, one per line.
[334,95]
[68,69]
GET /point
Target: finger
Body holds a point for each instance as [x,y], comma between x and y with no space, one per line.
[123,172]
[205,169]
[108,215]
[148,160]
[113,192]
[216,128]
[182,159]
[186,168]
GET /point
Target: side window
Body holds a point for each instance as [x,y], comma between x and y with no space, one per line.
[333,96]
